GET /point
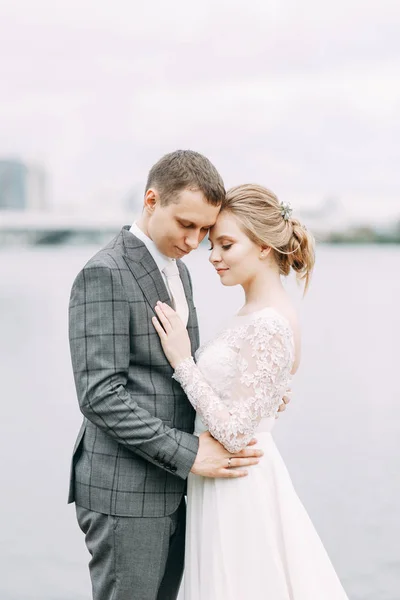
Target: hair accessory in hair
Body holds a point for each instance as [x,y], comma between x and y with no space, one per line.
[286,210]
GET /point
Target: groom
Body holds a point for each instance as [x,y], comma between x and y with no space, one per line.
[136,445]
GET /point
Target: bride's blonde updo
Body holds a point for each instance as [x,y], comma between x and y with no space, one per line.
[260,213]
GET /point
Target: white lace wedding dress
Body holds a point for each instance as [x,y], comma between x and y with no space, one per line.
[249,538]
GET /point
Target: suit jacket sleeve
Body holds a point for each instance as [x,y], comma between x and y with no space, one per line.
[100,349]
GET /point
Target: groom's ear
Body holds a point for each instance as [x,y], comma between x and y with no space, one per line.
[151,198]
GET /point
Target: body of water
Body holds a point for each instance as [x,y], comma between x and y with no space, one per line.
[339,437]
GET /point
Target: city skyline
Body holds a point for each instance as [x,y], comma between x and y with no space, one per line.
[23,185]
[305,100]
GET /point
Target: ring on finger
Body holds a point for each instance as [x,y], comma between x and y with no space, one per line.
[229,462]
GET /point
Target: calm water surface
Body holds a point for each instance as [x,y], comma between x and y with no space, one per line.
[339,437]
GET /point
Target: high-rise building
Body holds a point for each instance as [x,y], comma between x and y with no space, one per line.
[23,186]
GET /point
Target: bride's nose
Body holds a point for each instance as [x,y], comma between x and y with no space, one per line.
[215,258]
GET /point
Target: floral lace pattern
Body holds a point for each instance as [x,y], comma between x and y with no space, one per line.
[240,377]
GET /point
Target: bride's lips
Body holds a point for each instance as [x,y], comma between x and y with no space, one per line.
[219,271]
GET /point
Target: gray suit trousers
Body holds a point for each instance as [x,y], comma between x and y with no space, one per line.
[134,558]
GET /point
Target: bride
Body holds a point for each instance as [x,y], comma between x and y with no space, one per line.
[249,537]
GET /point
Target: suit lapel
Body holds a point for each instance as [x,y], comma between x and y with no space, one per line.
[144,269]
[192,326]
[185,281]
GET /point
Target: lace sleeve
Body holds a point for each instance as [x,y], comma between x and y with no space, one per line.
[264,361]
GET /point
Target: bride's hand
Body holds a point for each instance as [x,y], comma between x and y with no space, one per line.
[173,334]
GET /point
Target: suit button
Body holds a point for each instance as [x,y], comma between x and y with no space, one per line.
[174,469]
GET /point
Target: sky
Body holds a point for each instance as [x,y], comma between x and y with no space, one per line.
[303,97]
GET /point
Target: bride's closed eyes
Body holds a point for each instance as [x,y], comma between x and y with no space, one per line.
[224,247]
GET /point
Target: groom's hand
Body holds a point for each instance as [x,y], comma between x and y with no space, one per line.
[213,460]
[285,400]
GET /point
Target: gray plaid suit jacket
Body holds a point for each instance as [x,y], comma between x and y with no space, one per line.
[136,445]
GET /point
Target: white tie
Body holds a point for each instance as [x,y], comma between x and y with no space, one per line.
[177,292]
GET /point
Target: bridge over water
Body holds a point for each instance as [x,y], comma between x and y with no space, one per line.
[56,228]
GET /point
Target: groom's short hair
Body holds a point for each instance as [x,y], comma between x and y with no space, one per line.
[186,169]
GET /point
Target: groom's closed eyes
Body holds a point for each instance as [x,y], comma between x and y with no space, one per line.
[190,225]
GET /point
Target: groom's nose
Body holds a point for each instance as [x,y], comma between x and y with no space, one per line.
[193,240]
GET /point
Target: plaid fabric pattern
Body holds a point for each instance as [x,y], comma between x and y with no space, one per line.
[136,444]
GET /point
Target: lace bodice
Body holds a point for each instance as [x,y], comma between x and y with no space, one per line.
[240,376]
